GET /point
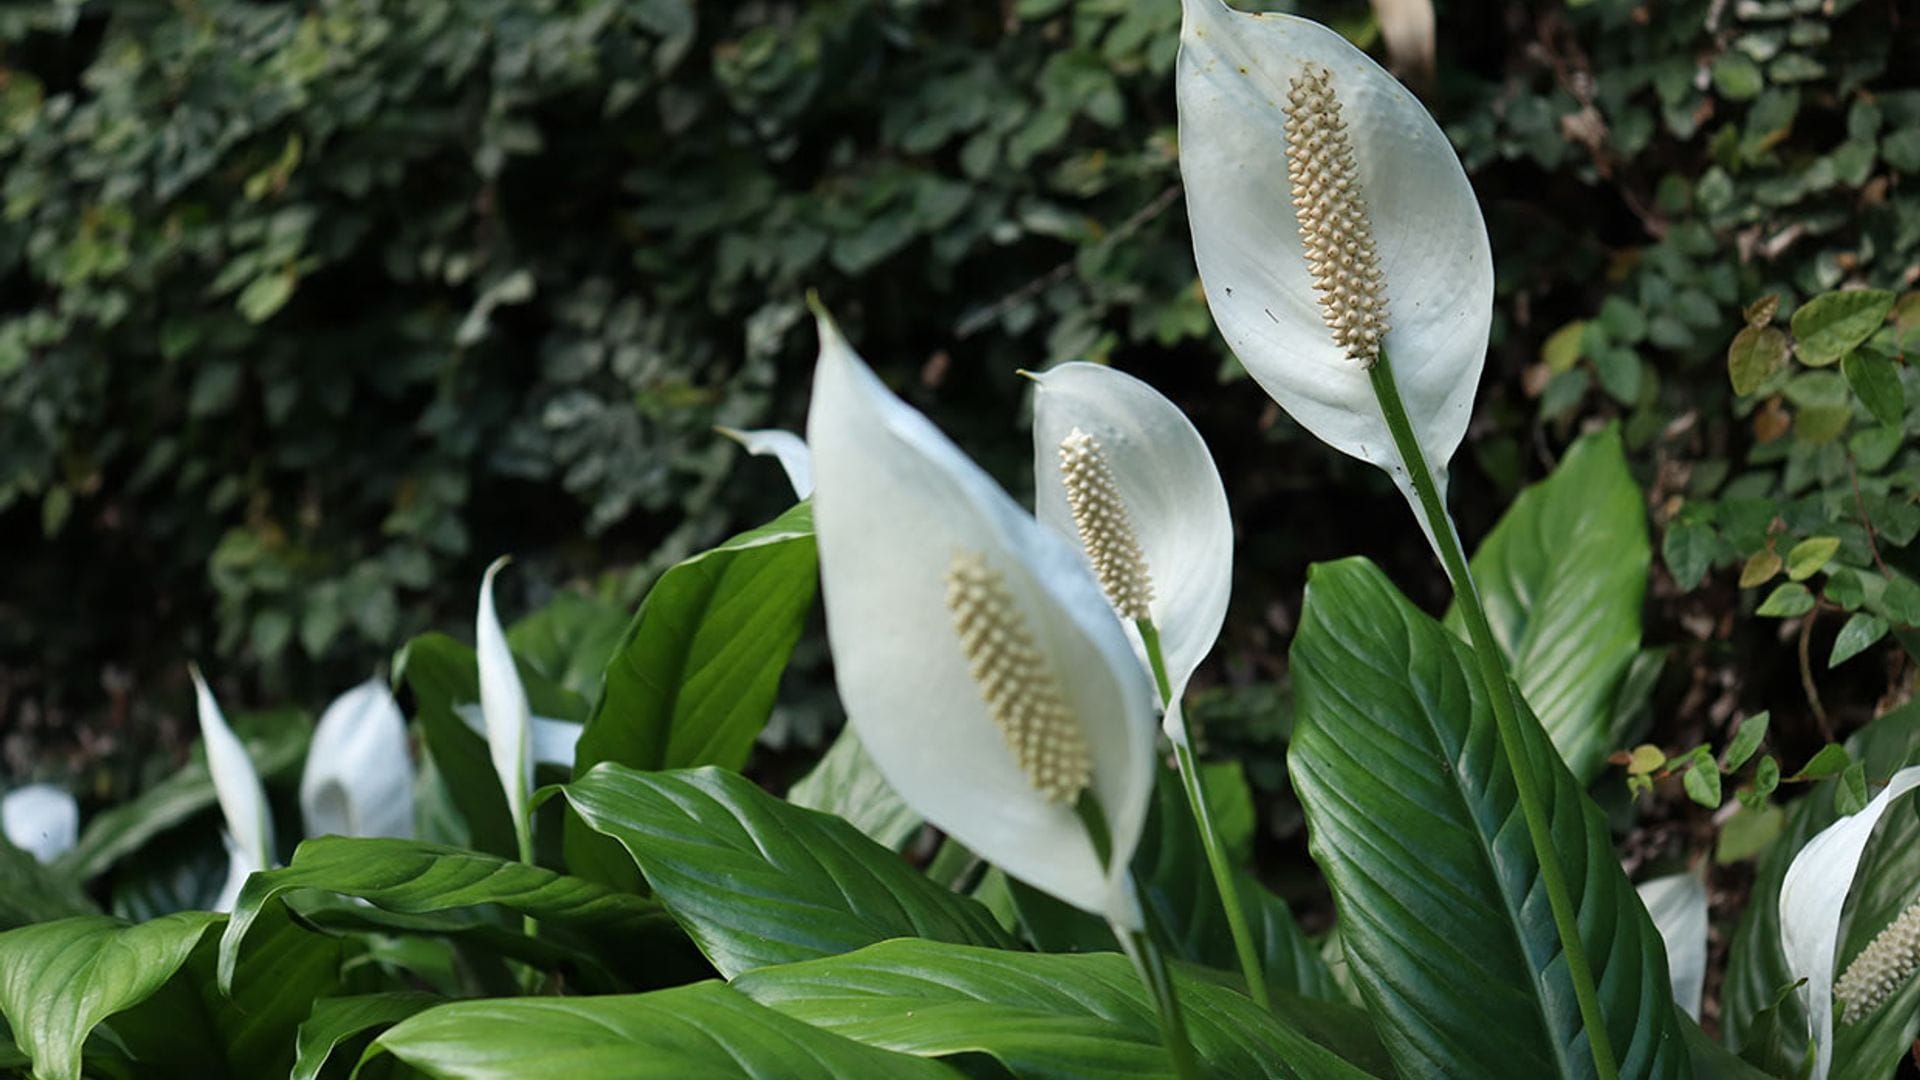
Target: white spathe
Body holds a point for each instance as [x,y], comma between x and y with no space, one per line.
[1174,501]
[895,502]
[1812,897]
[358,779]
[243,802]
[784,446]
[1233,78]
[554,741]
[1678,905]
[503,707]
[41,820]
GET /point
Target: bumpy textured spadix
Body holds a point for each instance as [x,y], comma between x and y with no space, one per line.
[1332,216]
[1383,244]
[1160,473]
[1106,532]
[1813,898]
[1885,965]
[1018,685]
[894,501]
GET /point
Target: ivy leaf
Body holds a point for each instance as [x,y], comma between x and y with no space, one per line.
[1859,634]
[1874,378]
[1810,556]
[1826,327]
[1786,602]
[1747,739]
[1757,354]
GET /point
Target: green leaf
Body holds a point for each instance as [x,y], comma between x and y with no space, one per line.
[1757,354]
[704,1030]
[1702,781]
[695,678]
[276,741]
[1831,760]
[31,892]
[265,295]
[1562,577]
[1746,739]
[59,980]
[847,784]
[1711,1061]
[337,1021]
[1756,968]
[1412,816]
[569,641]
[1875,379]
[1689,549]
[1852,796]
[1039,1015]
[1786,602]
[412,878]
[1859,634]
[758,881]
[443,674]
[1827,326]
[1810,556]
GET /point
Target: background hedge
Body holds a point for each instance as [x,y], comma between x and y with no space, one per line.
[308,310]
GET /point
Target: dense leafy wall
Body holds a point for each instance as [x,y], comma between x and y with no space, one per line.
[307,310]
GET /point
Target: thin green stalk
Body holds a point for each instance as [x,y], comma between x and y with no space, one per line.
[1151,963]
[1146,956]
[1195,787]
[1506,718]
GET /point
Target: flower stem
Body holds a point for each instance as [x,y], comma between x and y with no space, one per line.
[1146,956]
[1151,963]
[1190,779]
[1506,718]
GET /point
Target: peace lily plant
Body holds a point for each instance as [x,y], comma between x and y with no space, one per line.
[944,892]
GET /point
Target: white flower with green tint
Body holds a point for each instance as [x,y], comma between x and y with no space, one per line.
[1813,897]
[1331,219]
[783,446]
[41,820]
[1121,469]
[978,662]
[236,786]
[507,716]
[358,780]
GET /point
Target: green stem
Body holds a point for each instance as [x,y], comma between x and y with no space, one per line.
[1190,779]
[1151,963]
[1146,956]
[1506,718]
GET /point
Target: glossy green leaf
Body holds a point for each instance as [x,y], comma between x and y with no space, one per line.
[1756,968]
[31,892]
[1039,1015]
[338,1021]
[758,881]
[847,784]
[1756,355]
[1827,326]
[1829,760]
[59,980]
[1786,602]
[695,677]
[1412,816]
[569,641]
[1746,739]
[1877,382]
[1856,636]
[1562,576]
[703,1030]
[275,741]
[409,877]
[1810,556]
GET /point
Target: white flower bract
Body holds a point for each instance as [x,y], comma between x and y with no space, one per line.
[1422,277]
[1813,897]
[785,447]
[358,780]
[1175,505]
[503,706]
[41,820]
[894,502]
[1678,906]
[236,786]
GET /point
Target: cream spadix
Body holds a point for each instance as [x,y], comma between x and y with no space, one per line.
[504,708]
[236,786]
[358,780]
[978,661]
[785,447]
[1150,513]
[1331,219]
[1813,897]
